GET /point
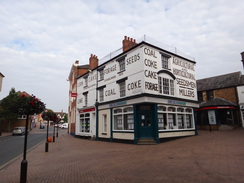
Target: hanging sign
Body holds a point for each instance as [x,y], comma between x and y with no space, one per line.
[73,94]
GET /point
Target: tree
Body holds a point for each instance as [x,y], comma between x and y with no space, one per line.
[19,103]
[65,118]
[6,108]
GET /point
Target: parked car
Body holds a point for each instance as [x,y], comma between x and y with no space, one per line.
[57,125]
[65,125]
[19,131]
[42,126]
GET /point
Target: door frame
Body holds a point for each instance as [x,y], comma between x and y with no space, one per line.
[138,110]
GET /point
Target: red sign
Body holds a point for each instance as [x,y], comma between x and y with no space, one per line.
[216,107]
[87,110]
[73,94]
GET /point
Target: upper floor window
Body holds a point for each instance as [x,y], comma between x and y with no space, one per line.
[101,74]
[121,63]
[86,81]
[165,61]
[210,94]
[122,89]
[101,94]
[199,95]
[166,86]
[172,87]
[85,99]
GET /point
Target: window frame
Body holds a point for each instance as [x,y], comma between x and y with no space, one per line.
[122,89]
[85,122]
[181,118]
[101,74]
[166,86]
[122,65]
[123,120]
[121,62]
[101,94]
[85,94]
[105,123]
[165,61]
[210,94]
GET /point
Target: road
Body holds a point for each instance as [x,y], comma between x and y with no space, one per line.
[12,147]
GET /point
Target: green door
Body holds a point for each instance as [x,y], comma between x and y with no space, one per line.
[145,124]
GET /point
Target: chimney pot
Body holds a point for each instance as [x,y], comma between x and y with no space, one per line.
[93,61]
[242,56]
[128,43]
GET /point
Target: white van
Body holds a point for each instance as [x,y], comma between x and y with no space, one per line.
[65,125]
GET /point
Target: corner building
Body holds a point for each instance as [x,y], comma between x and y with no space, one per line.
[144,93]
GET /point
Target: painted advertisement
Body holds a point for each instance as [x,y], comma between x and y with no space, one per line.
[176,79]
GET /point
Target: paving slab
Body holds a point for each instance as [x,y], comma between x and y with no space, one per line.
[210,157]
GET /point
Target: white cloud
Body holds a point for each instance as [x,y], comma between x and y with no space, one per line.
[40,40]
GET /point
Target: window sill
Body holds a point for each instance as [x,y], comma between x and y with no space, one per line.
[121,72]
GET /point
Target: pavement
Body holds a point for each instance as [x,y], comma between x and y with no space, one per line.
[210,157]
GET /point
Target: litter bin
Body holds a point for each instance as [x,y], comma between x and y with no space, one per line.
[49,139]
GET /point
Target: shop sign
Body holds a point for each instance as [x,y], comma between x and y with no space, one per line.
[117,104]
[176,102]
[87,110]
[73,94]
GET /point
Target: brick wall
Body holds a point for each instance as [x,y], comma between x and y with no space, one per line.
[128,43]
[72,128]
[229,94]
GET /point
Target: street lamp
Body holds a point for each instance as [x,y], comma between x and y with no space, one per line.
[54,131]
[46,146]
[24,163]
[27,105]
[96,106]
[57,127]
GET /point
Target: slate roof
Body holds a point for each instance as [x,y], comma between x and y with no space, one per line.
[83,66]
[217,102]
[222,81]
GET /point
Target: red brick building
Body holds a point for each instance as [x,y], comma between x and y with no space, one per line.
[219,101]
[76,71]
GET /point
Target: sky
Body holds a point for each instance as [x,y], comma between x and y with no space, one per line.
[41,39]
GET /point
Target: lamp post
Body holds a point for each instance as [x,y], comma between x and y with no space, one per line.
[24,163]
[57,127]
[46,146]
[48,115]
[28,105]
[96,106]
[54,131]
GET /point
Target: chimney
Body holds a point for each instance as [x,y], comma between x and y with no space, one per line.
[128,43]
[93,62]
[76,63]
[242,58]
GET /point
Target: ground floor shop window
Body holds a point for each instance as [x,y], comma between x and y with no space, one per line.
[171,117]
[105,123]
[220,117]
[85,122]
[123,118]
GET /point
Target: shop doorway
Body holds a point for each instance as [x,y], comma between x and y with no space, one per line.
[145,121]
